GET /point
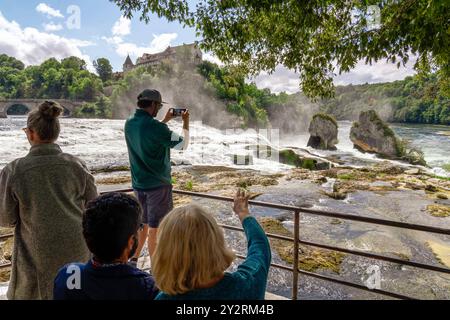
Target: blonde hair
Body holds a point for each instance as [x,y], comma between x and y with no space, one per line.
[191,250]
[44,120]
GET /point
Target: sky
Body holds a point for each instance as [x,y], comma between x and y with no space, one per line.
[35,30]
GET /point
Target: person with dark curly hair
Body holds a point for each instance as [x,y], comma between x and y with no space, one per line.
[110,228]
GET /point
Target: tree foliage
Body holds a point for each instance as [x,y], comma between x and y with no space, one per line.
[100,108]
[104,69]
[53,79]
[316,38]
[418,99]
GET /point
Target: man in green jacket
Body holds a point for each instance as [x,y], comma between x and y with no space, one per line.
[149,142]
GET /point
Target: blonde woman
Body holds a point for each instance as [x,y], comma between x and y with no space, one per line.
[42,196]
[191,256]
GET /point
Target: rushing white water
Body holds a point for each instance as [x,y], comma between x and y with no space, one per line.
[101,143]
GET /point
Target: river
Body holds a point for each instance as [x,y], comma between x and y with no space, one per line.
[101,144]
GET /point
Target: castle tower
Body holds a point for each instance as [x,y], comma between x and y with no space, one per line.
[128,64]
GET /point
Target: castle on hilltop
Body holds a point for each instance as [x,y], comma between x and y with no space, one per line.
[186,53]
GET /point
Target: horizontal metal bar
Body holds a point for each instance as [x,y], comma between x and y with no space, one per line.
[5,265]
[335,215]
[6,236]
[331,279]
[339,281]
[349,251]
[325,213]
[331,214]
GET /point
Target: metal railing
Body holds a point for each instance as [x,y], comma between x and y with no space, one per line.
[297,241]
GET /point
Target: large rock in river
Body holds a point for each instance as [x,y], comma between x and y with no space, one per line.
[371,134]
[323,130]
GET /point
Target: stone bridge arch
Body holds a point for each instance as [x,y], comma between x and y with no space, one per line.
[31,104]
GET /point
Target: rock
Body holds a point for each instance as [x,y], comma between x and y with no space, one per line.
[310,259]
[335,221]
[336,195]
[438,210]
[288,156]
[441,252]
[431,188]
[371,134]
[323,130]
[441,196]
[5,274]
[387,167]
[7,249]
[413,171]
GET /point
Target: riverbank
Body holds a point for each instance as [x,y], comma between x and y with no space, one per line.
[383,191]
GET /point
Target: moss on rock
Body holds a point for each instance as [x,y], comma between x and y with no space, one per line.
[309,259]
[438,210]
[326,116]
[289,157]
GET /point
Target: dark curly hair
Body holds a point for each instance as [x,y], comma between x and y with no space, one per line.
[108,223]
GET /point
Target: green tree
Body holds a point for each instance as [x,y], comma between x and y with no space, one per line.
[73,63]
[104,69]
[11,62]
[316,38]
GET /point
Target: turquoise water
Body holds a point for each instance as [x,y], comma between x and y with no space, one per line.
[433,140]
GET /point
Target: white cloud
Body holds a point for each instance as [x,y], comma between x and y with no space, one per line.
[283,79]
[159,43]
[122,27]
[49,11]
[380,71]
[212,58]
[32,46]
[50,27]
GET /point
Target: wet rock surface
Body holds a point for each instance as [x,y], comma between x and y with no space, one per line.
[290,157]
[324,132]
[382,191]
[5,254]
[371,134]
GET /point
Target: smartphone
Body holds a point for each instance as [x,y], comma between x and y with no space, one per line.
[178,112]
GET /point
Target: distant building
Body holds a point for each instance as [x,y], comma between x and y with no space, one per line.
[186,53]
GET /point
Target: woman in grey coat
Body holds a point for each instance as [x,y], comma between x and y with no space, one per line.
[42,196]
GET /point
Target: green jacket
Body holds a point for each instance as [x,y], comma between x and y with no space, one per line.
[43,196]
[149,142]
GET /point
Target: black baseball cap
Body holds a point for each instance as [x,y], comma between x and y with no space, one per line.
[150,95]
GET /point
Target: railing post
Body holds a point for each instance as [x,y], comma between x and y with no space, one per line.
[296,247]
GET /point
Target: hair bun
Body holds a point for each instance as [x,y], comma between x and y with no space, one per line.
[50,109]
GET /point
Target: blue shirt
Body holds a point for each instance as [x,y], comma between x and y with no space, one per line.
[149,142]
[117,282]
[248,282]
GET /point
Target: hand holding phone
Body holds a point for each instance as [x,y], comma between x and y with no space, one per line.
[178,112]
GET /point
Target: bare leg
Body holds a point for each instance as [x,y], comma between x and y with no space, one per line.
[152,240]
[142,239]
